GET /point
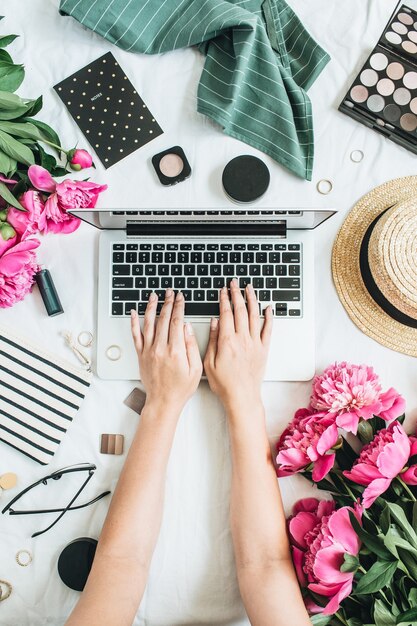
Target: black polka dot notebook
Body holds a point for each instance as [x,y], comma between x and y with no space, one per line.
[108,110]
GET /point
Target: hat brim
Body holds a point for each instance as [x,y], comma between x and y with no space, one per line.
[360,306]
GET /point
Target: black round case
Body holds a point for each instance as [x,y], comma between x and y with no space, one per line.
[75,561]
[245,179]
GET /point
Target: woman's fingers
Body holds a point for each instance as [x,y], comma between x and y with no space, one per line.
[176,327]
[191,345]
[239,308]
[149,320]
[162,328]
[136,331]
[267,327]
[211,351]
[226,323]
[253,312]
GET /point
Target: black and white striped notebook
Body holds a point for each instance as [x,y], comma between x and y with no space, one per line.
[39,396]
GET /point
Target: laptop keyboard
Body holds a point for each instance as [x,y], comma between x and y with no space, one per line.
[199,270]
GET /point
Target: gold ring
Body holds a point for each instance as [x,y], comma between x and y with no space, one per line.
[9,588]
[324,186]
[27,558]
[85,338]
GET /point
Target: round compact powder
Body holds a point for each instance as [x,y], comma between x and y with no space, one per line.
[75,561]
[392,113]
[378,61]
[395,70]
[410,80]
[359,93]
[413,105]
[399,28]
[405,18]
[369,78]
[171,165]
[402,96]
[375,103]
[409,122]
[385,87]
[393,37]
[245,179]
[409,47]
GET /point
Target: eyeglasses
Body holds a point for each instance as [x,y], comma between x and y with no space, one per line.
[80,467]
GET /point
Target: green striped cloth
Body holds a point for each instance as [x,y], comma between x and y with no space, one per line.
[259,62]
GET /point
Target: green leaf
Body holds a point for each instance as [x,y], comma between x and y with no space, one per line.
[10,101]
[365,431]
[350,564]
[15,149]
[59,171]
[354,621]
[382,615]
[399,517]
[375,544]
[5,56]
[401,418]
[9,197]
[409,562]
[378,576]
[46,160]
[320,620]
[48,132]
[7,165]
[6,40]
[412,597]
[394,540]
[11,76]
[385,520]
[34,107]
[22,129]
[407,616]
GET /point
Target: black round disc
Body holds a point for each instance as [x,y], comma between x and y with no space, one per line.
[75,561]
[245,178]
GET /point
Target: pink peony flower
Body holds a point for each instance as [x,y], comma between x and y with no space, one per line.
[32,220]
[382,460]
[320,537]
[81,160]
[18,267]
[349,393]
[8,237]
[69,194]
[306,441]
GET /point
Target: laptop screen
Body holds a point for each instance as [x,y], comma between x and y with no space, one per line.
[182,221]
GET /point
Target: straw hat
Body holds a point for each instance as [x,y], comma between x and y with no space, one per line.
[374,264]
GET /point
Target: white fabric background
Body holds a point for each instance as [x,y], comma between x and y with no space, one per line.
[192,580]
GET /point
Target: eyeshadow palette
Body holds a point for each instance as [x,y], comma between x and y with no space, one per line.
[384,94]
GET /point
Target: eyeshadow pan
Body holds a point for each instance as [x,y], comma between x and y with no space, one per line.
[385,87]
[375,103]
[171,165]
[392,113]
[399,28]
[409,122]
[393,37]
[405,18]
[402,96]
[410,80]
[409,47]
[378,61]
[359,93]
[395,70]
[413,35]
[369,78]
[413,105]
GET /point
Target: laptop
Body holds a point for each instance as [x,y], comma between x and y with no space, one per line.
[197,252]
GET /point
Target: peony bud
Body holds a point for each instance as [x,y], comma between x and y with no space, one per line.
[81,160]
[3,215]
[7,231]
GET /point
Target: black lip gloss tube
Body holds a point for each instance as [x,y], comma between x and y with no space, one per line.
[48,292]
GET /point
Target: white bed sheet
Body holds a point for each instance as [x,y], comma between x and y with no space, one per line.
[192,579]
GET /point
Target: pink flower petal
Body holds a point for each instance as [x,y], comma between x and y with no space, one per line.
[293,458]
[348,421]
[328,563]
[41,178]
[327,439]
[395,455]
[393,405]
[334,604]
[374,490]
[323,466]
[299,526]
[298,557]
[306,504]
[13,259]
[342,531]
[363,474]
[410,475]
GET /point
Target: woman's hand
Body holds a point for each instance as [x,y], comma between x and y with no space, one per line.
[169,359]
[237,351]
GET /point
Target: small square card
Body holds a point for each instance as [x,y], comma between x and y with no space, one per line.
[108,109]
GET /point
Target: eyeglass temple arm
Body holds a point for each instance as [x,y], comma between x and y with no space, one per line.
[71,508]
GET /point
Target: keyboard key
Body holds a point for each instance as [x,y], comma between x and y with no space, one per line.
[254,270]
[267,246]
[294,312]
[129,306]
[166,282]
[145,246]
[205,282]
[140,282]
[183,257]
[271,283]
[131,257]
[261,257]
[144,296]
[215,270]
[189,270]
[122,282]
[117,308]
[248,257]
[198,295]
[281,305]
[179,282]
[244,281]
[281,270]
[267,270]
[291,257]
[218,283]
[294,270]
[286,296]
[239,246]
[163,270]
[202,270]
[280,312]
[222,257]
[207,309]
[209,257]
[157,257]
[144,257]
[172,246]
[153,282]
[121,270]
[293,246]
[132,246]
[235,257]
[280,246]
[253,246]
[225,246]
[176,270]
[241,270]
[257,283]
[150,270]
[192,283]
[264,295]
[159,246]
[199,246]
[196,257]
[142,308]
[289,283]
[170,257]
[137,270]
[212,296]
[212,246]
[274,257]
[188,294]
[118,257]
[161,294]
[125,295]
[186,246]
[118,246]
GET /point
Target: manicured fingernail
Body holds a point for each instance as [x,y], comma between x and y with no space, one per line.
[152,297]
[180,296]
[190,329]
[233,282]
[213,323]
[223,290]
[133,314]
[249,288]
[168,293]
